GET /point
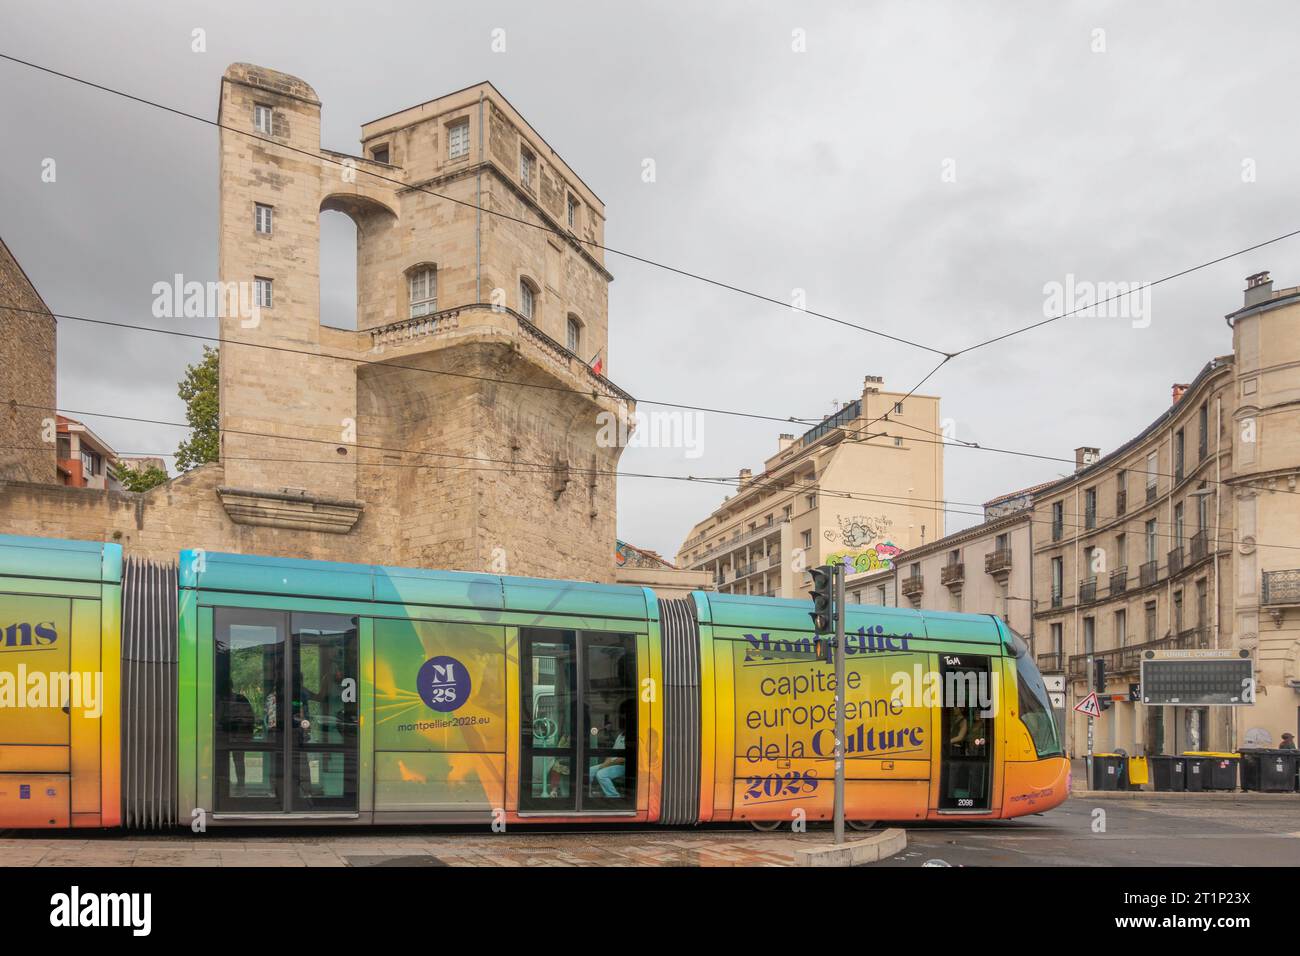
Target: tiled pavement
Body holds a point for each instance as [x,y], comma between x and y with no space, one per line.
[713,847]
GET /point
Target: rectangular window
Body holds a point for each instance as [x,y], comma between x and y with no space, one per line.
[527,300]
[1089,636]
[1151,470]
[1178,525]
[1149,614]
[1121,628]
[380,154]
[1178,455]
[423,288]
[1057,640]
[880,595]
[812,501]
[1152,552]
[1203,431]
[89,463]
[898,408]
[458,140]
[262,218]
[807,539]
[573,213]
[574,337]
[526,163]
[1090,508]
[1058,576]
[262,118]
[1058,520]
[262,292]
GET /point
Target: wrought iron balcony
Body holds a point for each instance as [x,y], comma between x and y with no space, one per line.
[1174,561]
[1126,659]
[1048,663]
[1200,544]
[1119,580]
[1281,587]
[1087,590]
[952,574]
[912,586]
[997,562]
[1149,573]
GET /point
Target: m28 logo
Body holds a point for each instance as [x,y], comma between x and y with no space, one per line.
[24,636]
[443,683]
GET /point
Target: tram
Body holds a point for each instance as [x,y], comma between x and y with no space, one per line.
[235,689]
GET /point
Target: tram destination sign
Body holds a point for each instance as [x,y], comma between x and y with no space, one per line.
[1197,678]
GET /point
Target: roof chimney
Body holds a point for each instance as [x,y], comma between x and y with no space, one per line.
[1085,456]
[873,383]
[745,475]
[1179,391]
[784,442]
[1259,288]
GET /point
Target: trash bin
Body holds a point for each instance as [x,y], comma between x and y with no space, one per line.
[1196,773]
[1168,773]
[1268,771]
[1137,772]
[1218,770]
[1108,772]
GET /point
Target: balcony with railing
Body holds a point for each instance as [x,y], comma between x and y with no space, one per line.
[1148,573]
[1126,659]
[1087,590]
[1175,561]
[912,587]
[744,537]
[1200,544]
[774,559]
[998,562]
[1057,597]
[1119,580]
[952,574]
[1151,492]
[1281,587]
[1049,663]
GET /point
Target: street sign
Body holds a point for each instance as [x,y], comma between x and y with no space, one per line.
[1089,706]
[1197,678]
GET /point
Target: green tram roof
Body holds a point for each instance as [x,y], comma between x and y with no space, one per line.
[60,560]
[250,574]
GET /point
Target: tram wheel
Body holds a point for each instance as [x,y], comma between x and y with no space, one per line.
[766,826]
[861,824]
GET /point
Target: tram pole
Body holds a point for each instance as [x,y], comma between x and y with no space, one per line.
[841,679]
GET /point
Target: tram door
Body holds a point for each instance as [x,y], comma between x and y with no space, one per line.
[579,729]
[966,723]
[285,711]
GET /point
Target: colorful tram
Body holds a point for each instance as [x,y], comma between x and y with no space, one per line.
[236,689]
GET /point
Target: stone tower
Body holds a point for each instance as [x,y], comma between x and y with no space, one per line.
[457,426]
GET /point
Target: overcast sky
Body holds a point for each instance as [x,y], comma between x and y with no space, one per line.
[921,168]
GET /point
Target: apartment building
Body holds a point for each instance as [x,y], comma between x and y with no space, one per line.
[1187,537]
[857,488]
[85,460]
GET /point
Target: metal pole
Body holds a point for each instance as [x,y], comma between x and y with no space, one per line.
[841,679]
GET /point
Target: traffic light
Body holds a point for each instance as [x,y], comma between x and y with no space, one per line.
[1099,671]
[821,598]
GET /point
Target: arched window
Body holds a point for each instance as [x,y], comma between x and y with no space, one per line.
[422,289]
[527,300]
[574,334]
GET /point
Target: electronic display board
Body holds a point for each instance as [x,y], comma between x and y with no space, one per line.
[1197,678]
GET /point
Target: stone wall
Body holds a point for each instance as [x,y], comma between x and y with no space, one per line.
[27,372]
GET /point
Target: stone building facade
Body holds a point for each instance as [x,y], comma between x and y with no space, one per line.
[458,425]
[856,488]
[1186,538]
[27,378]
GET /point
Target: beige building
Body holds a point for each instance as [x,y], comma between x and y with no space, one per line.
[1186,538]
[457,425]
[984,569]
[856,488]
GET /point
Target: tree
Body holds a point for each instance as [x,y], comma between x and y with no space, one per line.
[198,389]
[139,479]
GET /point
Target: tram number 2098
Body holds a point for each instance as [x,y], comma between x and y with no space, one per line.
[781,784]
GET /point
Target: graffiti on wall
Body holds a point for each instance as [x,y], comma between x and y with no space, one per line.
[858,531]
[878,558]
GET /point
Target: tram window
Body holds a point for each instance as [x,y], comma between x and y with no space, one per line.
[967,725]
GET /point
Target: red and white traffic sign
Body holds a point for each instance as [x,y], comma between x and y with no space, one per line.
[1089,706]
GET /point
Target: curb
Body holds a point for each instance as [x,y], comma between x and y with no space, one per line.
[874,848]
[1208,796]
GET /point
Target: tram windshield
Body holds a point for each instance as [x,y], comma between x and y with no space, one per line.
[1035,704]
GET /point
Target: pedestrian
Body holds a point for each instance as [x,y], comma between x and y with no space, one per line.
[1288,742]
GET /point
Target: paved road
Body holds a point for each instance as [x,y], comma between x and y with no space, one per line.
[1178,830]
[1169,831]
